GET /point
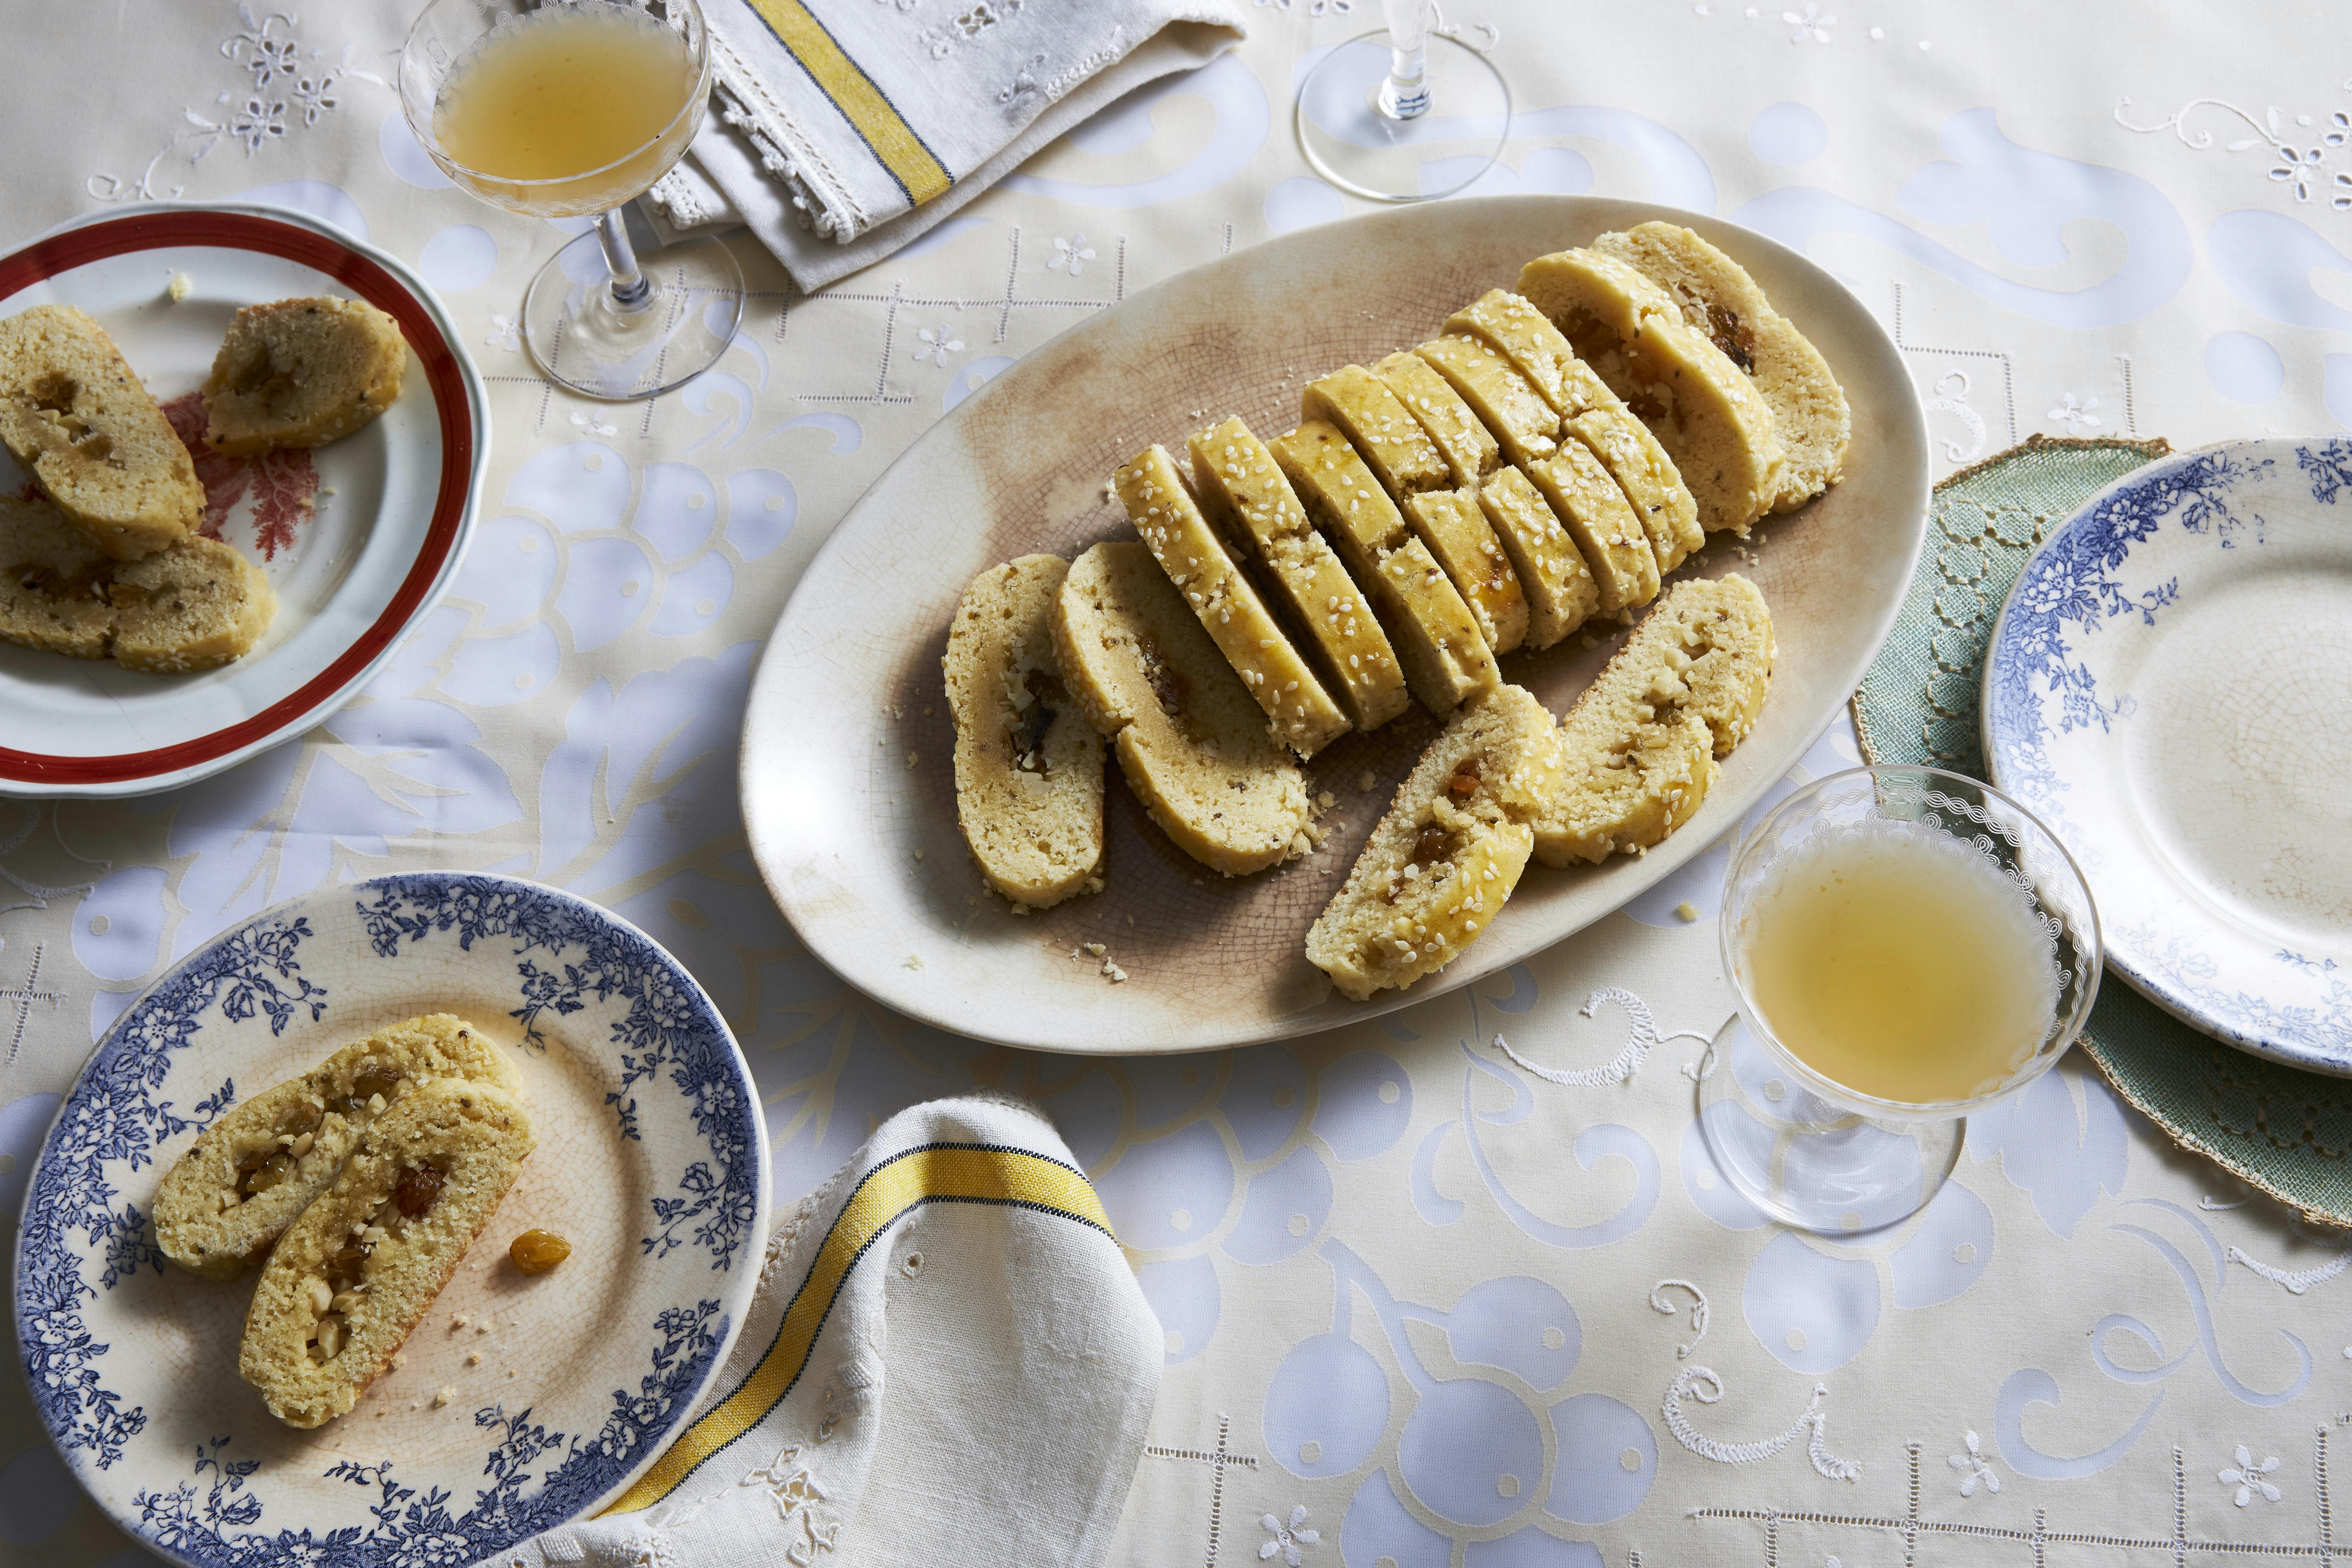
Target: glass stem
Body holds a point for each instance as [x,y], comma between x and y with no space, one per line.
[631,292]
[1405,94]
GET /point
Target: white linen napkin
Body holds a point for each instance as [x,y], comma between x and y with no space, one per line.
[948,1361]
[841,130]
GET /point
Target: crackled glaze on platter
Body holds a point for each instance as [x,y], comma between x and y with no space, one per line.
[651,1160]
[2169,686]
[849,792]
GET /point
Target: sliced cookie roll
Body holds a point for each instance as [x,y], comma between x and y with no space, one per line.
[1643,738]
[1556,584]
[1454,527]
[1653,486]
[1506,402]
[1190,738]
[1706,414]
[358,1271]
[226,1200]
[1623,789]
[1721,302]
[79,418]
[1596,514]
[1298,711]
[1028,766]
[1244,494]
[1590,413]
[1553,578]
[301,372]
[1437,639]
[1390,439]
[1461,439]
[1405,460]
[1440,864]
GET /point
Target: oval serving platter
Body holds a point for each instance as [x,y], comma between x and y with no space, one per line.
[849,788]
[356,538]
[520,1401]
[2170,687]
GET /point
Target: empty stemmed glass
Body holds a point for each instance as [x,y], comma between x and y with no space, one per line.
[560,109]
[1374,109]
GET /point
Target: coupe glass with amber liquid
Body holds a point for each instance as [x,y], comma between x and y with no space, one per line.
[570,108]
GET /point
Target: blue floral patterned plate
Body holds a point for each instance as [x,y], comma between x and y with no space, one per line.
[2170,687]
[520,1401]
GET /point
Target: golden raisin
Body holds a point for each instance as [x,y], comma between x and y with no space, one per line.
[261,1176]
[537,1251]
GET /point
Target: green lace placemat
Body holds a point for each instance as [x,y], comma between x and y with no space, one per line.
[2286,1131]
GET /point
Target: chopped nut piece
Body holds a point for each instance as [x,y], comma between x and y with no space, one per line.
[445,1396]
[1686,910]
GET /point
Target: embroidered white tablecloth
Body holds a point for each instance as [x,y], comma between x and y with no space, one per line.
[1427,1300]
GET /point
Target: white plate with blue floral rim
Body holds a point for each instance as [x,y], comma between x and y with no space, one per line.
[2169,688]
[522,1402]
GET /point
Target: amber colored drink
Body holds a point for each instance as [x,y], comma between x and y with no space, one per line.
[568,111]
[1901,962]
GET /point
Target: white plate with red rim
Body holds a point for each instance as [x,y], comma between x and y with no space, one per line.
[357,538]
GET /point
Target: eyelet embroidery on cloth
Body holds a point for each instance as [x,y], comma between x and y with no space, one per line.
[2296,1282]
[799,1504]
[1703,1384]
[1287,1538]
[1658,1303]
[1628,1061]
[2251,1479]
[2305,167]
[1706,1385]
[1973,1467]
[282,88]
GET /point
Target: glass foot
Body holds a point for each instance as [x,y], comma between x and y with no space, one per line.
[1808,1164]
[582,340]
[1356,147]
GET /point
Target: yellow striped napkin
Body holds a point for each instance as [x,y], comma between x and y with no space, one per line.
[949,1360]
[844,129]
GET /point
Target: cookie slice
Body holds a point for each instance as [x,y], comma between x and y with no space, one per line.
[1525,336]
[1390,439]
[1460,438]
[53,583]
[1624,789]
[301,372]
[1298,710]
[1457,532]
[1721,302]
[1244,495]
[72,412]
[1028,766]
[1723,628]
[1653,487]
[1595,512]
[1643,738]
[1437,640]
[193,606]
[1706,414]
[1440,864]
[226,1200]
[1553,577]
[1506,402]
[357,1272]
[1590,413]
[1190,738]
[196,605]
